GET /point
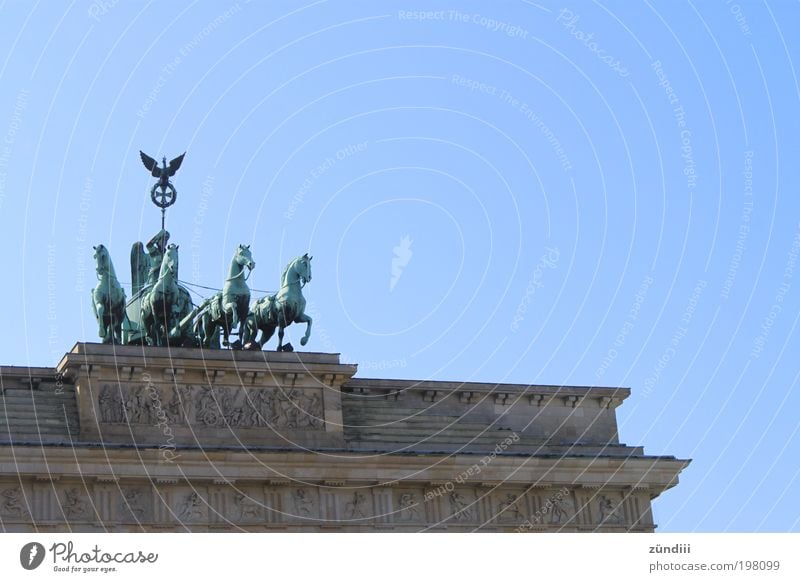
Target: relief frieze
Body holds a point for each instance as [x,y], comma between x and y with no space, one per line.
[210,406]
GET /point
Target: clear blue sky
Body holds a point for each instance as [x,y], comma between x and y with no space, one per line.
[581,193]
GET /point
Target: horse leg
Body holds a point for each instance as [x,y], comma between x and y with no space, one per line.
[307,319]
[239,343]
[250,339]
[166,323]
[226,330]
[208,331]
[142,327]
[211,332]
[280,338]
[231,307]
[101,319]
[159,327]
[155,329]
[123,339]
[116,329]
[199,326]
[248,331]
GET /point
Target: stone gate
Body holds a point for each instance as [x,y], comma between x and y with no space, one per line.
[133,438]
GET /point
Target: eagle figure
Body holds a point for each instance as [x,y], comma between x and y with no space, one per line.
[163,173]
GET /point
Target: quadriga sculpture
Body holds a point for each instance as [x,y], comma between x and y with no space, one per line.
[108,298]
[285,307]
[227,310]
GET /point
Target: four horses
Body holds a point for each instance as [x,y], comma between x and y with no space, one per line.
[166,313]
[108,298]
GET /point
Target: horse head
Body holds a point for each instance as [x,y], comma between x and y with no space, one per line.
[303,268]
[298,270]
[102,258]
[169,264]
[244,258]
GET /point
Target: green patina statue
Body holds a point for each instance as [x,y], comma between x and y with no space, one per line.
[156,248]
[146,261]
[108,298]
[159,303]
[160,311]
[163,193]
[285,307]
[228,309]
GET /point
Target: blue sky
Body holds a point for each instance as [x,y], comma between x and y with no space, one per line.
[574,193]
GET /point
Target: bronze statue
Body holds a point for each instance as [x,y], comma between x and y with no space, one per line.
[285,307]
[228,309]
[158,305]
[161,313]
[156,247]
[108,298]
[163,193]
[146,264]
[152,287]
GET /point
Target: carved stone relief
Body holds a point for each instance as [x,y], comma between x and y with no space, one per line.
[134,505]
[12,502]
[356,508]
[409,507]
[459,507]
[302,502]
[562,509]
[111,406]
[192,507]
[508,508]
[608,511]
[246,509]
[213,407]
[74,504]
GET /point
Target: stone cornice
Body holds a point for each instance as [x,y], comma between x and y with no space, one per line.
[653,473]
[240,367]
[467,392]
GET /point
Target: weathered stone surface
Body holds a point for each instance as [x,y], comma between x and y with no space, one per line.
[187,396]
[174,439]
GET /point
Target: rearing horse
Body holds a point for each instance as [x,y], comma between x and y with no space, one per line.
[160,304]
[227,309]
[108,298]
[285,307]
